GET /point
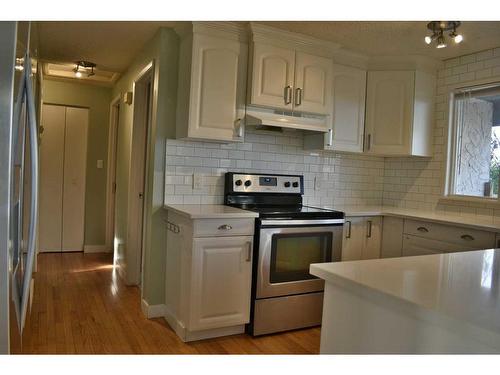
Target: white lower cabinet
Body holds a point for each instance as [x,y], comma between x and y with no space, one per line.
[220,289]
[362,238]
[208,276]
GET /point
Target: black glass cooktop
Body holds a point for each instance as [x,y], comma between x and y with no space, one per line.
[292,212]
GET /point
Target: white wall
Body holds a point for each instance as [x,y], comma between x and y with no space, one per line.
[344,178]
[419,183]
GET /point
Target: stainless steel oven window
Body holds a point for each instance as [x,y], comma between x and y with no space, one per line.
[292,253]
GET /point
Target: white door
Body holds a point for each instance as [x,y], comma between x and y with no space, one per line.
[354,238]
[63,160]
[313,84]
[218,87]
[389,112]
[75,163]
[51,178]
[272,76]
[372,238]
[220,282]
[349,94]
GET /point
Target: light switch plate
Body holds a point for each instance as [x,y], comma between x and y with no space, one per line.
[197,180]
[317,183]
[100,164]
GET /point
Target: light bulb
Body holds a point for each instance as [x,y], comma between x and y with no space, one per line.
[441,45]
[428,39]
[458,38]
[78,74]
[440,42]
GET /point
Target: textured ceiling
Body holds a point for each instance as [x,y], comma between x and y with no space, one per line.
[113,45]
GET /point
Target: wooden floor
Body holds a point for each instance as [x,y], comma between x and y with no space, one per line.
[81,306]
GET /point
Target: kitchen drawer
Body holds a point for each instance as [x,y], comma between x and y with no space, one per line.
[223,227]
[464,237]
[415,245]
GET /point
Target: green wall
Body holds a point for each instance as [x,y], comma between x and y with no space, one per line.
[97,99]
[163,50]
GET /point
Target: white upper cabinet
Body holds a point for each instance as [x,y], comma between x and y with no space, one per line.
[289,79]
[313,89]
[273,76]
[399,110]
[212,86]
[349,88]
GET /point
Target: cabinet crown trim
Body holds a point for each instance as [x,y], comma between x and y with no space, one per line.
[270,35]
[228,30]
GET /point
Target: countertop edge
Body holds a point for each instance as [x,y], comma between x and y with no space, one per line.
[238,214]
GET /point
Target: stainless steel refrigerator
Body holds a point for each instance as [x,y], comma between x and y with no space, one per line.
[18,179]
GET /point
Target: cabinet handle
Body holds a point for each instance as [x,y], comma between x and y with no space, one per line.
[423,229]
[288,94]
[239,131]
[348,234]
[298,96]
[249,252]
[330,137]
[173,227]
[467,237]
[369,229]
[225,227]
[368,142]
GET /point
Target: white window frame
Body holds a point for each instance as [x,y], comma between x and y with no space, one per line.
[453,143]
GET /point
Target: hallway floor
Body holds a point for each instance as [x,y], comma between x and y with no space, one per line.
[81,306]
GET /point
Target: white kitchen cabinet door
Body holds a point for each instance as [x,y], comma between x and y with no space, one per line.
[218,87]
[372,238]
[389,112]
[354,238]
[349,95]
[220,282]
[414,245]
[273,70]
[313,84]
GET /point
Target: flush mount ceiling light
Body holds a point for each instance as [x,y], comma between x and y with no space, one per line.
[438,29]
[82,67]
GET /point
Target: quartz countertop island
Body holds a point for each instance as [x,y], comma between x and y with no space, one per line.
[444,303]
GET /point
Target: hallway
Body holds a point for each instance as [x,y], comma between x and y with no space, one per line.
[81,306]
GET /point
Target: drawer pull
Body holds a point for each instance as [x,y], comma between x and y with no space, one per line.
[467,237]
[225,227]
[249,252]
[348,234]
[423,229]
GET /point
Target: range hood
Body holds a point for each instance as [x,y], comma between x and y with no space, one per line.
[263,117]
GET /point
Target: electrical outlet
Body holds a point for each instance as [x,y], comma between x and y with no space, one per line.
[100,164]
[317,183]
[197,180]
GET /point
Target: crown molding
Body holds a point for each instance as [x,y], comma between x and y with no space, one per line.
[227,30]
[282,38]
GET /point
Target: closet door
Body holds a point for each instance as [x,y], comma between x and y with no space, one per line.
[75,162]
[51,176]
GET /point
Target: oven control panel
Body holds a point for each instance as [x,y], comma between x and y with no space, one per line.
[257,183]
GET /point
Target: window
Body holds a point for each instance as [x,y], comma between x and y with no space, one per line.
[475,142]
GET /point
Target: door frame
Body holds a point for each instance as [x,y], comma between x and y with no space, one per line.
[139,166]
[114,116]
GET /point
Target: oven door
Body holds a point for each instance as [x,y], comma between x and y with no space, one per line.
[288,247]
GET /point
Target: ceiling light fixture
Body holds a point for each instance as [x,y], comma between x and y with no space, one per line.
[438,29]
[86,67]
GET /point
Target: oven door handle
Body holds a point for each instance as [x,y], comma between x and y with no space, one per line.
[289,223]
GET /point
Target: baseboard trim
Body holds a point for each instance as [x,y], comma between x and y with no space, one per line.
[96,249]
[152,311]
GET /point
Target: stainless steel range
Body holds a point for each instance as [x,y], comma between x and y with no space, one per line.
[288,238]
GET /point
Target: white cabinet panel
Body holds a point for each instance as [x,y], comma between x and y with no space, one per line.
[373,237]
[313,91]
[212,87]
[220,290]
[272,76]
[414,245]
[389,112]
[353,241]
[349,88]
[392,237]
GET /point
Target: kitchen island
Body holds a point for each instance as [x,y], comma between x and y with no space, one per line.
[443,303]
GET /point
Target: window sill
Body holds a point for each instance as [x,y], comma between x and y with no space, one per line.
[470,199]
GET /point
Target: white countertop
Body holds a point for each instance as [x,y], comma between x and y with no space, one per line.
[210,211]
[462,286]
[467,221]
